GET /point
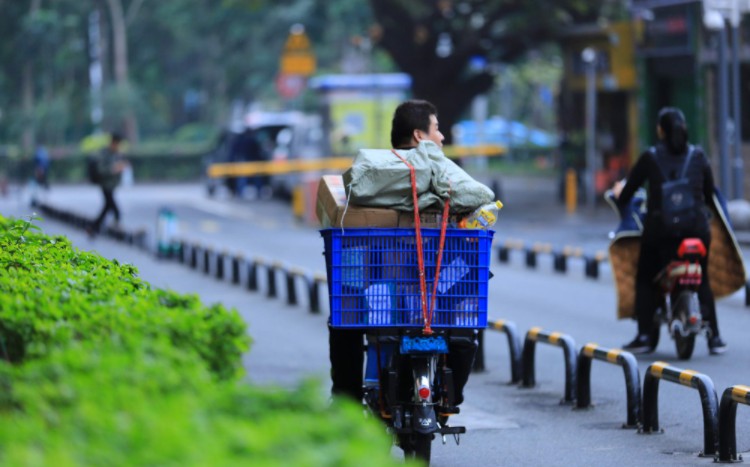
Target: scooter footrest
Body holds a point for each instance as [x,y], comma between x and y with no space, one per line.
[452,430]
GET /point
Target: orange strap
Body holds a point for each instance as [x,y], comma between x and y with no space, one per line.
[426,313]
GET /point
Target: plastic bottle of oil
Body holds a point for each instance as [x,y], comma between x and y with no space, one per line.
[483,218]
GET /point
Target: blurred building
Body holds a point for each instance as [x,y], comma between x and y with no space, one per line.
[617,111]
[663,56]
[357,108]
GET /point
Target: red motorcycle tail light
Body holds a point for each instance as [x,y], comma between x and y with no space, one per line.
[424,393]
[693,320]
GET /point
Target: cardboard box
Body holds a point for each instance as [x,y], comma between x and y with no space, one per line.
[331,205]
[430,218]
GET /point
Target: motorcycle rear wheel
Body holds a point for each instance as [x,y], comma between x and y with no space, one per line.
[684,345]
[685,305]
[417,446]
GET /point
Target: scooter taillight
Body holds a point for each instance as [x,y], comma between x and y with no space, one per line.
[424,393]
[693,320]
[691,248]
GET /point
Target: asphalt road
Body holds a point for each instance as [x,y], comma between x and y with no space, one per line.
[507,425]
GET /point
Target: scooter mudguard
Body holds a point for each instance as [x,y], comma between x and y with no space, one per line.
[423,419]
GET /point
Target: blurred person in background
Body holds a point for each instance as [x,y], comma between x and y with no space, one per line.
[110,165]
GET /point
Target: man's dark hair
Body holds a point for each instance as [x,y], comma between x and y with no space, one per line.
[409,116]
[115,138]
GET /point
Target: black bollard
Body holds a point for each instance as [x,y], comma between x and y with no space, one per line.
[252,276]
[194,255]
[271,270]
[291,290]
[236,269]
[207,260]
[220,265]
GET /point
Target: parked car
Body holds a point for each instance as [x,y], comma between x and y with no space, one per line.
[266,136]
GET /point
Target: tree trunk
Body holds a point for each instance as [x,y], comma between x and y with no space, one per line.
[27,96]
[450,104]
[120,47]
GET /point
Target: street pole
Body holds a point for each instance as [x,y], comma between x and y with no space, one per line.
[589,59]
[738,169]
[95,70]
[723,111]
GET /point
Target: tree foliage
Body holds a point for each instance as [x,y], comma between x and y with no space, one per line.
[189,61]
[448,46]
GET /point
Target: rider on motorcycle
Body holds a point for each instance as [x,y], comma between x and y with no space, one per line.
[659,242]
[413,121]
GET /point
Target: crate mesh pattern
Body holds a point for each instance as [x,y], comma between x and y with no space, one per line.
[373,277]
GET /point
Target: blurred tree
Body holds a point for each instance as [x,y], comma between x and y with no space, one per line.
[120,19]
[448,47]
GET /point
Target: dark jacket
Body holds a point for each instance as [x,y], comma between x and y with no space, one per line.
[109,178]
[649,172]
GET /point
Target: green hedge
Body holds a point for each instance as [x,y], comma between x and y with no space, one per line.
[154,406]
[52,294]
[98,368]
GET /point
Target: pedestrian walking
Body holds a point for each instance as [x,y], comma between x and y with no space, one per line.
[109,165]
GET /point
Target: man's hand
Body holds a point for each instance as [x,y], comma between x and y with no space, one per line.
[617,188]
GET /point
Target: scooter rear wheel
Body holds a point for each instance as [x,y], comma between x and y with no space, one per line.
[686,304]
[417,446]
[685,345]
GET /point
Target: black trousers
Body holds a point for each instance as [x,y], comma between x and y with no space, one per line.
[346,352]
[109,205]
[654,256]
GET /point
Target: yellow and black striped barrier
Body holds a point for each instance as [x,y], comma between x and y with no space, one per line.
[559,256]
[278,167]
[629,366]
[557,339]
[732,396]
[709,401]
[514,343]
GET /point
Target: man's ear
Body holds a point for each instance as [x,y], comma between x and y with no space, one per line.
[416,136]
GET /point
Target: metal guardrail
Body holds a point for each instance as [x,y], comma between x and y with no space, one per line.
[709,402]
[559,256]
[559,340]
[732,396]
[629,366]
[514,344]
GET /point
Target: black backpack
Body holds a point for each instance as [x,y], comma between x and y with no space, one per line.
[92,169]
[679,208]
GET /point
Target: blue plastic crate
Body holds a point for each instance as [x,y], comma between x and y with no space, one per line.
[373,277]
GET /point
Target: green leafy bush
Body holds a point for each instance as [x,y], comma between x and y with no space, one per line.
[97,368]
[116,405]
[52,294]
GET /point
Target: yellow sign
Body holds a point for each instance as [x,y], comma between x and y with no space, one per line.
[298,57]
